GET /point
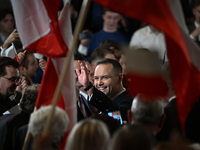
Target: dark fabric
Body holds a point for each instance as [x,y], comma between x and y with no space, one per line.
[124,100]
[105,104]
[87,107]
[9,125]
[171,122]
[192,124]
[6,104]
[20,137]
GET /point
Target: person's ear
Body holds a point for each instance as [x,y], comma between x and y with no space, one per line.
[22,69]
[121,77]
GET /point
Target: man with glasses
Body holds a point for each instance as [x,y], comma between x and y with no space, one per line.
[10,84]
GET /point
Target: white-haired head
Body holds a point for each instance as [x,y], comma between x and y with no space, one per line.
[58,125]
[146,111]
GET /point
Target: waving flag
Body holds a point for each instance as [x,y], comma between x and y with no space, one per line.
[57,35]
[10,52]
[183,60]
[38,27]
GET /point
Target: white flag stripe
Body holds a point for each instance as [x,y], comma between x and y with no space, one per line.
[9,52]
[68,90]
[28,18]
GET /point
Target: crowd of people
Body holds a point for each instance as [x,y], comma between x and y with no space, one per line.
[109,116]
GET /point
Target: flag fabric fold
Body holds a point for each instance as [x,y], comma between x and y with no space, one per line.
[182,59]
[38,27]
[52,38]
[10,52]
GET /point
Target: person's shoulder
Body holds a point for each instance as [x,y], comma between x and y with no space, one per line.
[142,30]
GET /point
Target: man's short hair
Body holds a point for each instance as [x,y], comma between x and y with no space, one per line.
[80,57]
[146,112]
[29,97]
[111,43]
[99,54]
[7,62]
[58,126]
[106,9]
[117,68]
[25,61]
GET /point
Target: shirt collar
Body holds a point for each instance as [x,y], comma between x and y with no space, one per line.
[196,24]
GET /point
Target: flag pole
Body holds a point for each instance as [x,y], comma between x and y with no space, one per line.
[79,26]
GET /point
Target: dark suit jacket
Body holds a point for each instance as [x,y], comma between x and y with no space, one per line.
[171,122]
[9,125]
[6,104]
[124,100]
[103,103]
[88,108]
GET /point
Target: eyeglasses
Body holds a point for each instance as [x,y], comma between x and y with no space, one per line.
[14,79]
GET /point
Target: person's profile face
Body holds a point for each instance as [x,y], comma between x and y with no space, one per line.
[7,86]
[32,69]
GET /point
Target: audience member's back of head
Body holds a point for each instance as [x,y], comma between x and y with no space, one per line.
[88,135]
[146,111]
[80,57]
[99,54]
[112,124]
[131,137]
[110,43]
[149,112]
[29,97]
[58,125]
[112,46]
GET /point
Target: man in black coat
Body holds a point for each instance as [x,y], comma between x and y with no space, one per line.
[11,122]
[108,93]
[10,83]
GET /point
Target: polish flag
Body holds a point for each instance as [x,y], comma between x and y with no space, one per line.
[183,54]
[52,73]
[51,38]
[38,27]
[10,52]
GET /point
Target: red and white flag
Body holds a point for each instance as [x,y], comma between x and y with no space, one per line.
[183,55]
[54,65]
[10,52]
[38,27]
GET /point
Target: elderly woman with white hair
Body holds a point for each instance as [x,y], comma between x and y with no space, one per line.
[57,129]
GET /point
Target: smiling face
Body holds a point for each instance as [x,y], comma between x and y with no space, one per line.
[107,81]
[7,87]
